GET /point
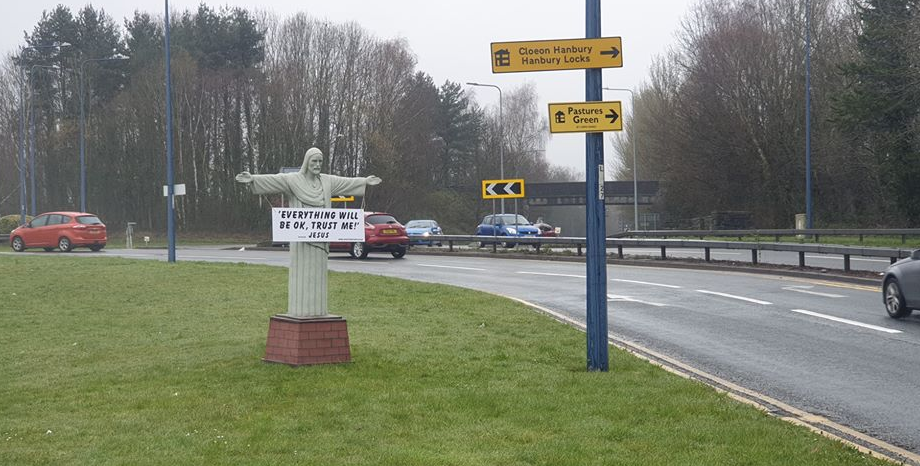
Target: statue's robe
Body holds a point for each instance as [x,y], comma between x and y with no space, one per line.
[307,287]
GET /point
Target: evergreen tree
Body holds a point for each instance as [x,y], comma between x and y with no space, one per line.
[882,105]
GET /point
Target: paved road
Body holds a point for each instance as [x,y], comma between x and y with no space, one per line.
[823,347]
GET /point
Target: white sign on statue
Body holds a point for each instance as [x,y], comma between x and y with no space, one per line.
[317,225]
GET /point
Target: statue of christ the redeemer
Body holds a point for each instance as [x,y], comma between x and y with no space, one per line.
[308,188]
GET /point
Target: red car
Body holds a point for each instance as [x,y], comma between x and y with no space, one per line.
[382,232]
[62,230]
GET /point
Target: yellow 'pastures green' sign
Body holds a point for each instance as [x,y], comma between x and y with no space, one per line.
[585,117]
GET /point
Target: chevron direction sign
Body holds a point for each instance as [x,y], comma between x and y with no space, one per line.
[564,54]
[585,117]
[502,189]
[343,199]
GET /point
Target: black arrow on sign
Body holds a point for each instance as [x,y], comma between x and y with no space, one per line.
[615,52]
[613,116]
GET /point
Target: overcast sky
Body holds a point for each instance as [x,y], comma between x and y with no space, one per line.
[451,39]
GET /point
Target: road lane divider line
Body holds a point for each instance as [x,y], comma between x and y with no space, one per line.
[742,298]
[818,424]
[615,297]
[644,283]
[451,267]
[846,321]
[553,274]
[807,290]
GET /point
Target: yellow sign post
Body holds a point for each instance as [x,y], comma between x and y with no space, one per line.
[564,54]
[585,117]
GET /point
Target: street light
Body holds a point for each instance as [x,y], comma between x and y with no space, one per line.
[83,127]
[22,119]
[501,137]
[32,132]
[808,219]
[632,97]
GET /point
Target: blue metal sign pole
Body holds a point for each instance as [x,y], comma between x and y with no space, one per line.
[596,226]
[170,214]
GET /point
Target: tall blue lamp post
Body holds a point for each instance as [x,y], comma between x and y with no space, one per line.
[808,215]
[83,126]
[596,262]
[170,188]
[22,124]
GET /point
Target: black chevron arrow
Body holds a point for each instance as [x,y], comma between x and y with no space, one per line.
[615,52]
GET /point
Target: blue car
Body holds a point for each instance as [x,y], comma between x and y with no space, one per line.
[507,225]
[420,230]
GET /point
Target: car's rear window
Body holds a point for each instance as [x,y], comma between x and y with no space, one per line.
[89,220]
[419,224]
[380,219]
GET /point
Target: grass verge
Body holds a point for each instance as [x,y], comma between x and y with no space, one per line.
[112,361]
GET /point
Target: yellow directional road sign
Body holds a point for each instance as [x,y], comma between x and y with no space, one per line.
[502,189]
[564,54]
[343,199]
[585,117]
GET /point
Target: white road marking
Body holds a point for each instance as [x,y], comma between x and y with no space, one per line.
[452,267]
[742,298]
[643,283]
[807,290]
[553,274]
[615,297]
[846,321]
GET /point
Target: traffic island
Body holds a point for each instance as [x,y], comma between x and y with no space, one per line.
[305,341]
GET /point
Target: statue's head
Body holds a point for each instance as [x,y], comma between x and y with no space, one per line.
[312,161]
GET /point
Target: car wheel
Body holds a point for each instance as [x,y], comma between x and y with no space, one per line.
[399,252]
[64,244]
[18,244]
[894,300]
[96,247]
[48,249]
[358,251]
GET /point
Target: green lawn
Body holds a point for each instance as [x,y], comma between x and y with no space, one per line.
[113,361]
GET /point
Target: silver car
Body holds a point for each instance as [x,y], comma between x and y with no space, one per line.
[901,286]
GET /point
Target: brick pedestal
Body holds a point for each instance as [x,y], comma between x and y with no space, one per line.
[307,340]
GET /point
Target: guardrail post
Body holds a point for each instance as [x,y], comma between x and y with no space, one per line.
[860,238]
[754,256]
[777,238]
[846,262]
[903,239]
[579,249]
[801,258]
[706,254]
[664,254]
[450,246]
[495,247]
[894,259]
[620,251]
[817,239]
